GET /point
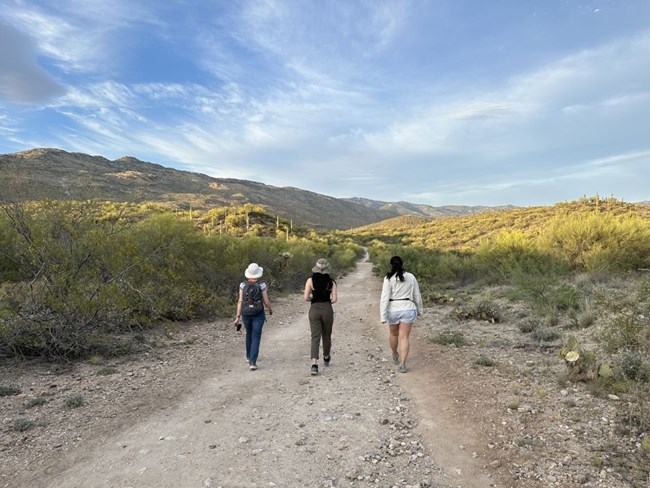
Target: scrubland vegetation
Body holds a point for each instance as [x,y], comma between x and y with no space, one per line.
[83,278]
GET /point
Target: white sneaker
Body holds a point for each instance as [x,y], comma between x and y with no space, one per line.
[253,367]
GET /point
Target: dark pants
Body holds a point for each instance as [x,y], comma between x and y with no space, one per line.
[321,319]
[253,325]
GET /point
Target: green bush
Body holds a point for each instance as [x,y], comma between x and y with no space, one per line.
[545,335]
[623,332]
[36,402]
[599,241]
[512,253]
[545,292]
[449,338]
[485,310]
[74,401]
[484,361]
[22,425]
[9,391]
[635,367]
[528,325]
[83,279]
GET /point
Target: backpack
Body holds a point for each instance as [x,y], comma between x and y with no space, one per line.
[252,303]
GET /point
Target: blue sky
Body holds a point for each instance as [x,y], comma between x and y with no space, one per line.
[472,102]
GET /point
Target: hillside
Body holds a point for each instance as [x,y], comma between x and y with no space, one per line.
[425,211]
[469,231]
[56,174]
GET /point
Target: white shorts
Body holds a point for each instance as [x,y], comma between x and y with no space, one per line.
[403,316]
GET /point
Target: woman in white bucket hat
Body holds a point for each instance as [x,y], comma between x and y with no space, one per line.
[253,297]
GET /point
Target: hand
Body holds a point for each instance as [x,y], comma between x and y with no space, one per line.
[270,312]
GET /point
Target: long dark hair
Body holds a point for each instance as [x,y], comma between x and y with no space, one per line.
[396,268]
[322,281]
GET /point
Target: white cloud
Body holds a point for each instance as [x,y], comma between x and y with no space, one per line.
[22,80]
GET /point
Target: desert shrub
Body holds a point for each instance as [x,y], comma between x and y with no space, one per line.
[512,253]
[545,335]
[623,332]
[582,320]
[109,370]
[82,279]
[528,325]
[635,367]
[598,387]
[74,401]
[449,338]
[9,391]
[553,318]
[36,402]
[484,361]
[526,441]
[22,424]
[599,241]
[484,309]
[545,292]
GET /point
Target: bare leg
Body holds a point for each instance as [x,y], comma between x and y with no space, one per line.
[404,330]
[393,338]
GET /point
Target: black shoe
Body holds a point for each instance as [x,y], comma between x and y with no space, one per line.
[326,360]
[314,369]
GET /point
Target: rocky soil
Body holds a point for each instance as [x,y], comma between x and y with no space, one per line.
[189,413]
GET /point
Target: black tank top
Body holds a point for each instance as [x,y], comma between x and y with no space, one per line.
[322,288]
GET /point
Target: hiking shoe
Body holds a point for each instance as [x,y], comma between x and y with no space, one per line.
[314,369]
[326,360]
[402,368]
[396,358]
[253,367]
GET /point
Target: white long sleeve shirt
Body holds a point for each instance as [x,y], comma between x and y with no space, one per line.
[394,291]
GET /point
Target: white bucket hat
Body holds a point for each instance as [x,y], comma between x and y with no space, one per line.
[254,271]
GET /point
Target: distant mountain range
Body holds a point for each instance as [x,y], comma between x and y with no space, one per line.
[55,174]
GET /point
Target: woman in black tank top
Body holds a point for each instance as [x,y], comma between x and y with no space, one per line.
[320,290]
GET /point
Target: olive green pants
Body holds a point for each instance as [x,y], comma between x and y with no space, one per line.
[321,319]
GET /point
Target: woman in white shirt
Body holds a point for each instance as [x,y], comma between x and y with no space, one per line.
[400,305]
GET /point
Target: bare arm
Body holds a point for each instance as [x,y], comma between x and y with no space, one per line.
[239,302]
[267,302]
[309,287]
[334,296]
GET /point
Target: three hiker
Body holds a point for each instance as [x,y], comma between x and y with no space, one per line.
[400,305]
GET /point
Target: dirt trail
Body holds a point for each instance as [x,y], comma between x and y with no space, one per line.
[358,423]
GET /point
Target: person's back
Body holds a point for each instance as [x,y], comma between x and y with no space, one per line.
[402,290]
[322,290]
[253,297]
